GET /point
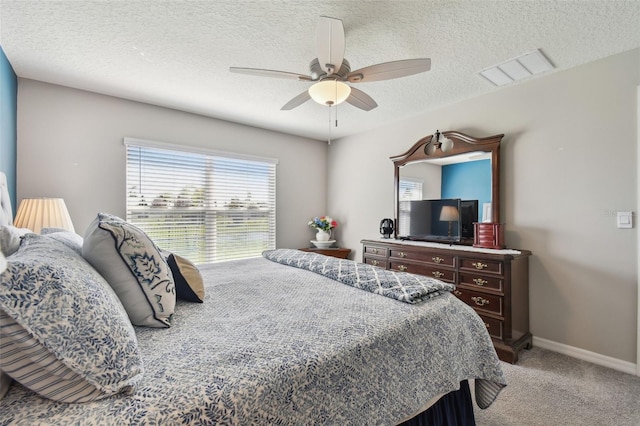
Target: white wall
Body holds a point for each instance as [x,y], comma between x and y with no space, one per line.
[70,145]
[568,163]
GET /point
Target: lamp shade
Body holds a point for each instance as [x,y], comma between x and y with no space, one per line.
[38,213]
[329,92]
[449,214]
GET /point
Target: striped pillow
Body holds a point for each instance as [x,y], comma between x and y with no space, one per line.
[63,332]
[5,383]
[38,369]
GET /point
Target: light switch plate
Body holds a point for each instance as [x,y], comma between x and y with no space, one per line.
[625,220]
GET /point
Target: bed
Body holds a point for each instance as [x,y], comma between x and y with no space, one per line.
[289,338]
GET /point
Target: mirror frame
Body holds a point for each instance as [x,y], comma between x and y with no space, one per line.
[462,143]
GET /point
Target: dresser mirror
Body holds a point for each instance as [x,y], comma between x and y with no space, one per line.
[449,165]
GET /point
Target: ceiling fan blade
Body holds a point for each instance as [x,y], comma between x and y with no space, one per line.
[389,70]
[330,44]
[297,101]
[270,73]
[361,100]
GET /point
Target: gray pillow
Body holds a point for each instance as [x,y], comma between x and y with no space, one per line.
[64,332]
[132,264]
[68,238]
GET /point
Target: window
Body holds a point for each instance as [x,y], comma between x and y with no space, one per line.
[410,189]
[203,205]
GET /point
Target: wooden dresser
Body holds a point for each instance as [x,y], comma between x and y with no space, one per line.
[494,282]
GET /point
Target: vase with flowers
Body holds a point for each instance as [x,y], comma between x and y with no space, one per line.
[323,225]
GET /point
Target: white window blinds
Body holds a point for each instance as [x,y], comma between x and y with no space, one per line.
[205,206]
[410,189]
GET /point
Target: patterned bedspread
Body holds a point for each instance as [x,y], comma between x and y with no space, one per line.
[410,288]
[273,344]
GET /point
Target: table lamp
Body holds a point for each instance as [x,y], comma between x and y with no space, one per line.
[449,214]
[38,213]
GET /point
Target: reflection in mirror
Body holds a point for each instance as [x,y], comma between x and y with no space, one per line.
[467,171]
[465,176]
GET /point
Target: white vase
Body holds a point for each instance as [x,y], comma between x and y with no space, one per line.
[323,235]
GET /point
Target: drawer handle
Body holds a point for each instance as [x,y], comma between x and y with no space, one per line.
[402,268]
[479,265]
[437,259]
[480,301]
[374,250]
[487,325]
[437,274]
[480,281]
[402,254]
[375,262]
[457,292]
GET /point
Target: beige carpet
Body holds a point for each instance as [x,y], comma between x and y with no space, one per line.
[546,389]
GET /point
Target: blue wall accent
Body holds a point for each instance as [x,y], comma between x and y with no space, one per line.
[8,124]
[468,181]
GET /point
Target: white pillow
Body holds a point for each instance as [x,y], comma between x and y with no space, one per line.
[132,264]
[64,333]
[10,238]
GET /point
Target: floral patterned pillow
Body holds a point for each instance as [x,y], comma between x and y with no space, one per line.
[132,264]
[64,332]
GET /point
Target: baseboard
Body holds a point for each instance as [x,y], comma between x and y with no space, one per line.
[592,357]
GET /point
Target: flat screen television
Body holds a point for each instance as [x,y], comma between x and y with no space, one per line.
[430,220]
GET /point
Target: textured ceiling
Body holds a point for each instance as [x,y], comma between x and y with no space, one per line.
[178,53]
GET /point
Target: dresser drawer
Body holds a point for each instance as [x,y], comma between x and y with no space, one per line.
[435,259]
[483,265]
[481,281]
[375,251]
[375,261]
[494,327]
[480,301]
[443,274]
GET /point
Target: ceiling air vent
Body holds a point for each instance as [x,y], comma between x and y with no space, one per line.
[522,67]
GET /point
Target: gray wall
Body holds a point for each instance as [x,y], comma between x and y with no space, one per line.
[70,145]
[569,161]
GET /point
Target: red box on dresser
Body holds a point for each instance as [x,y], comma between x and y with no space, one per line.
[488,235]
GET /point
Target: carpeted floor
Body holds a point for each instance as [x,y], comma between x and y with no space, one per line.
[547,389]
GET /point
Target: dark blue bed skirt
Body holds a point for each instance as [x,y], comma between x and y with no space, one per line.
[453,409]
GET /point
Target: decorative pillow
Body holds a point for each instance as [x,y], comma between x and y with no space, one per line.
[10,238]
[132,264]
[5,383]
[68,238]
[189,282]
[64,333]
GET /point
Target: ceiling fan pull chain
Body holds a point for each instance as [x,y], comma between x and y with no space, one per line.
[336,105]
[329,141]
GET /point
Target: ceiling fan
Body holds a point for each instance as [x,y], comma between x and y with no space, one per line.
[331,71]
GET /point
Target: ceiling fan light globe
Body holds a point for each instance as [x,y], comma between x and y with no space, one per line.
[329,92]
